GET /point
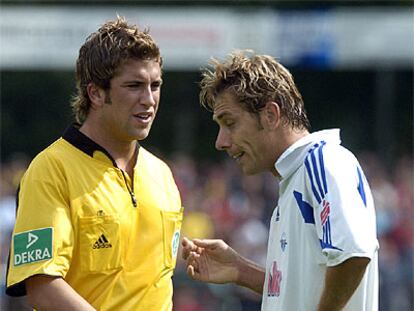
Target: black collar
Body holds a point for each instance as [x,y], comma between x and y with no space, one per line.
[84,143]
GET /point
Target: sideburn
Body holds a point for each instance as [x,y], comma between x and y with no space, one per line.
[259,121]
[108,97]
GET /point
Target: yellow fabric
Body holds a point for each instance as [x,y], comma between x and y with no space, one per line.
[83,197]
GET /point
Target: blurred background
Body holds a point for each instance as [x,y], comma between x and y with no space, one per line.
[352,61]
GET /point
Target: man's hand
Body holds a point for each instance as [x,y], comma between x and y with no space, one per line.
[215,262]
[210,261]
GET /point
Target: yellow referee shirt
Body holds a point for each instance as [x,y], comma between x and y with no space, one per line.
[113,239]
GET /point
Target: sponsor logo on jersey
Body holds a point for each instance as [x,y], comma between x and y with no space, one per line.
[175,243]
[32,246]
[283,242]
[275,278]
[102,242]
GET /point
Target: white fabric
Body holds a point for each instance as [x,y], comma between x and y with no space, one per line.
[325,215]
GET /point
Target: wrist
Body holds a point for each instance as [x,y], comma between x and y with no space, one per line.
[249,275]
[240,270]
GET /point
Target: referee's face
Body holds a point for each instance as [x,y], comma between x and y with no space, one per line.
[132,101]
[241,135]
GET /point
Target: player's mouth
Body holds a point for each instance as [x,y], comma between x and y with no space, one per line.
[237,156]
[143,117]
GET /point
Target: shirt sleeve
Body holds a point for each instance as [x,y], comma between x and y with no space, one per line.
[42,241]
[344,213]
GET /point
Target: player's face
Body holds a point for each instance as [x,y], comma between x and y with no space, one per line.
[241,135]
[132,100]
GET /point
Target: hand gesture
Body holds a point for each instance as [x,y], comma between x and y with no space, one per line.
[210,260]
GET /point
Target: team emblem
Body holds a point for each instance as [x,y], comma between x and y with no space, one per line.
[175,243]
[283,242]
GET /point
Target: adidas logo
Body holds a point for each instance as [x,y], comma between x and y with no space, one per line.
[102,242]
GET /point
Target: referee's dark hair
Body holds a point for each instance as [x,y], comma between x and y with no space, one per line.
[103,52]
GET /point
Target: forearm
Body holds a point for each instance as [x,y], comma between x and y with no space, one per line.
[53,293]
[250,275]
[341,282]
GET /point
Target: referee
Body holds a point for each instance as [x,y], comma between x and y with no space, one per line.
[98,216]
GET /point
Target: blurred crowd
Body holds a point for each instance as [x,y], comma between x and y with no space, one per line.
[222,203]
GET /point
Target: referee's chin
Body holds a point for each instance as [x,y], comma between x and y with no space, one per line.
[140,134]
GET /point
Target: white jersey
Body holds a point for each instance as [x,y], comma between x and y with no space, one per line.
[325,215]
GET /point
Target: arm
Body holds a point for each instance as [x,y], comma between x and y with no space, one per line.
[53,293]
[215,262]
[341,282]
[250,275]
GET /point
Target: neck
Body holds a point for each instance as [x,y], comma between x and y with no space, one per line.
[123,152]
[283,140]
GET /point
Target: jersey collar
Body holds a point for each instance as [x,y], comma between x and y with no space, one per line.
[293,157]
[84,143]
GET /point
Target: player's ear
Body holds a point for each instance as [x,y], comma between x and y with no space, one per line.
[272,114]
[96,95]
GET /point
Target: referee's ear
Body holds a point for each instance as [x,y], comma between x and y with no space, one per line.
[96,95]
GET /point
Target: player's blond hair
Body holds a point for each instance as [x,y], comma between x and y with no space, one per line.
[254,80]
[103,52]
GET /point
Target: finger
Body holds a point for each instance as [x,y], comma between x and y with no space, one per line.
[190,271]
[193,259]
[188,246]
[207,243]
[186,243]
[193,273]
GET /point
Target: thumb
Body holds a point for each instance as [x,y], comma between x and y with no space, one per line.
[208,243]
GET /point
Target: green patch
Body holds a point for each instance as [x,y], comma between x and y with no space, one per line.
[32,246]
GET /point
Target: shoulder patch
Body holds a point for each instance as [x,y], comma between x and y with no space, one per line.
[32,246]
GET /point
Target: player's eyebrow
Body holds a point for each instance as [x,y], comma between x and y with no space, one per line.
[141,81]
[220,116]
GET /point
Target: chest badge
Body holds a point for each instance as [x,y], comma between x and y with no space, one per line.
[283,242]
[175,243]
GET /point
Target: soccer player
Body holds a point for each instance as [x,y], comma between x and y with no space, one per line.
[98,216]
[322,248]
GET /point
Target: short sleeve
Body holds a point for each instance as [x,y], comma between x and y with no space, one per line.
[344,213]
[42,241]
